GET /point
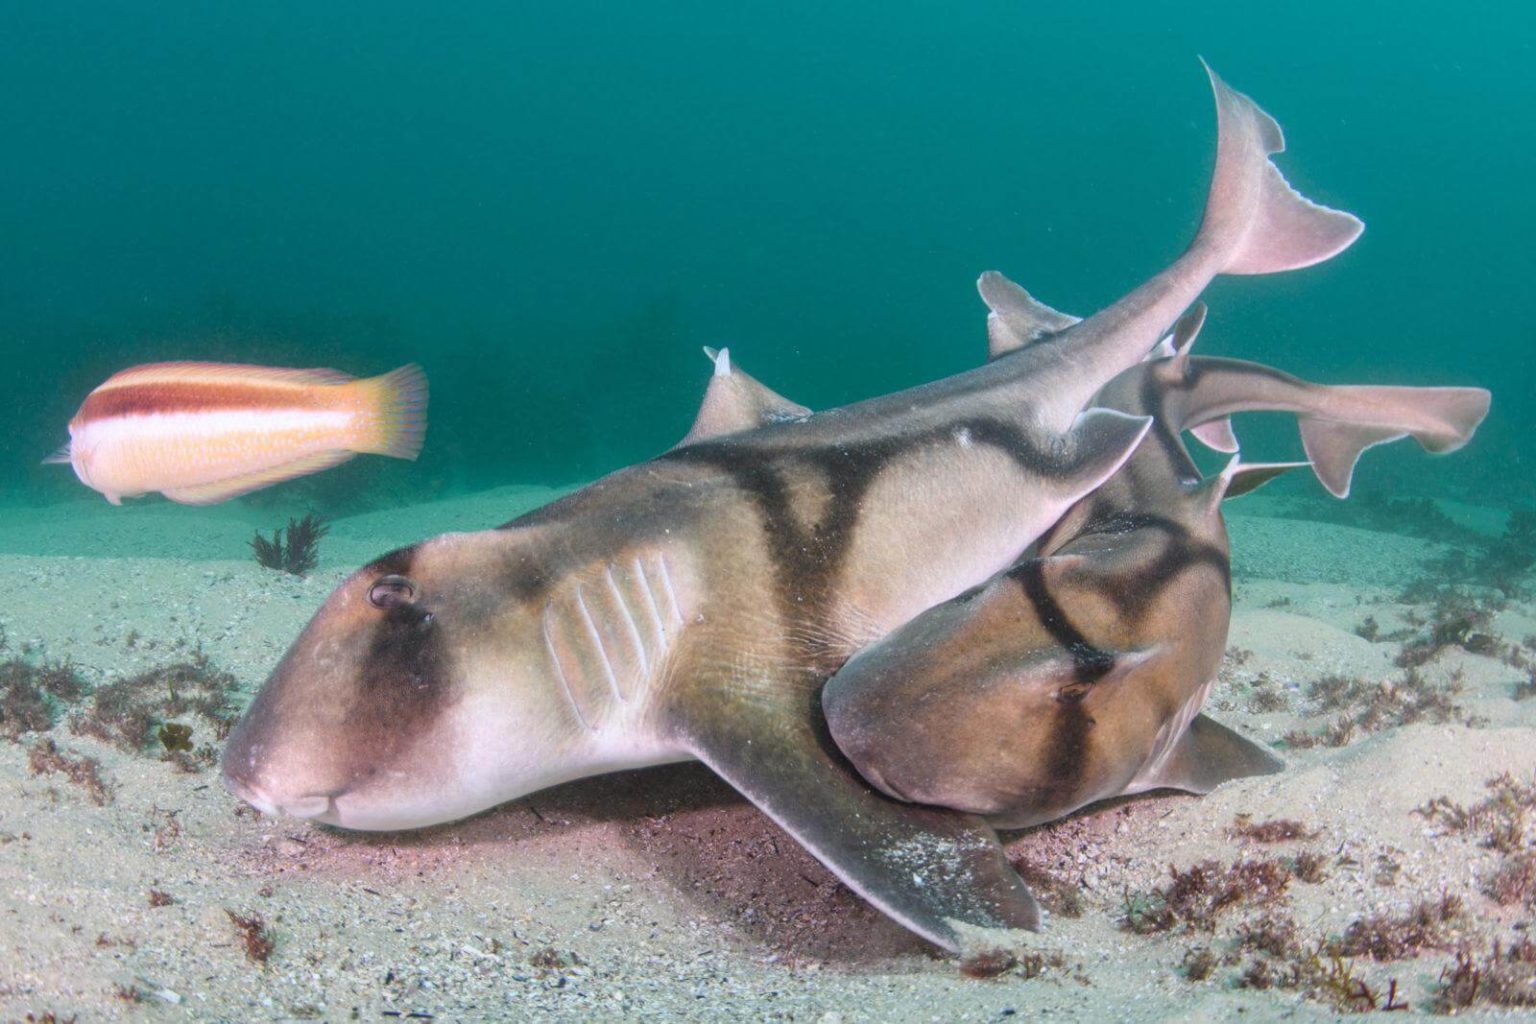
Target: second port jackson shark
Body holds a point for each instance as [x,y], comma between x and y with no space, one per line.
[693,606]
[1078,673]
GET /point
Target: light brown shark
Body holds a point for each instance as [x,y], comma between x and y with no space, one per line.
[1078,674]
[692,606]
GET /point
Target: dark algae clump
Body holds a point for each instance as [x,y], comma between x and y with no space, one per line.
[1505,976]
[1430,924]
[153,709]
[1498,821]
[1277,830]
[33,696]
[254,936]
[295,550]
[1196,897]
[45,758]
[1363,706]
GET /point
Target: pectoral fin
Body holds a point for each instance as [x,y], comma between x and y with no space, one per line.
[1209,754]
[939,873]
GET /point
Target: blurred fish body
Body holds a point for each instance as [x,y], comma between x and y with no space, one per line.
[201,433]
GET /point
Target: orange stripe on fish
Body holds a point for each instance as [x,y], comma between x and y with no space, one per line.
[201,433]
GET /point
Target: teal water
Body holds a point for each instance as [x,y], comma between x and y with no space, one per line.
[552,207]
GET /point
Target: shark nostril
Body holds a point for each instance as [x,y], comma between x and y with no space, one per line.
[307,806]
[248,793]
[312,805]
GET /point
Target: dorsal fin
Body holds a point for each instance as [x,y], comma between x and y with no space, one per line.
[1017,318]
[202,372]
[735,401]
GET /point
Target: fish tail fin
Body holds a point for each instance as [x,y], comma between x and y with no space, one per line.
[392,413]
[1440,419]
[1253,217]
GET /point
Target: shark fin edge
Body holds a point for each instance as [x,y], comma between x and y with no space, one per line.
[939,873]
[1102,439]
[1209,754]
[1254,216]
[1334,447]
[1217,435]
[1017,318]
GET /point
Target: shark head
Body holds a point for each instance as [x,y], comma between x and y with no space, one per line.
[417,694]
[1028,697]
[940,712]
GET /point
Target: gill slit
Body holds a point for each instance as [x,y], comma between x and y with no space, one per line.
[565,683]
[666,579]
[597,642]
[629,621]
[651,606]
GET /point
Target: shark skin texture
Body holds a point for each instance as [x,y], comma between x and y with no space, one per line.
[1077,674]
[692,606]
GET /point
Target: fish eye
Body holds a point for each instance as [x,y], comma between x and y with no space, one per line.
[389,591]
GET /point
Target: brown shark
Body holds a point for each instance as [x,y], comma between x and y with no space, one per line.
[692,606]
[1078,673]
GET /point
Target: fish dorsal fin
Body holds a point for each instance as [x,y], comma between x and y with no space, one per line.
[222,373]
[735,401]
[233,487]
[59,456]
[1217,435]
[1186,329]
[1017,318]
[1205,756]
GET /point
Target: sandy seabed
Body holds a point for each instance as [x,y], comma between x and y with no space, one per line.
[661,895]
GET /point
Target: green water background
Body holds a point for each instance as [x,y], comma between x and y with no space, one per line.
[553,206]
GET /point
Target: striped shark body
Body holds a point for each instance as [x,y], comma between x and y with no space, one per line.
[1078,673]
[692,606]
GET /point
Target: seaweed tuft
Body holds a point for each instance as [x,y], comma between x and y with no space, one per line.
[254,936]
[1504,977]
[1197,897]
[1429,924]
[158,708]
[295,550]
[45,758]
[32,696]
[1276,830]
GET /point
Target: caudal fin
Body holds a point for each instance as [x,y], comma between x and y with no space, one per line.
[1253,218]
[1440,419]
[392,413]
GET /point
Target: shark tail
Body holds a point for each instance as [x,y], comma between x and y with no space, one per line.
[1253,218]
[1440,419]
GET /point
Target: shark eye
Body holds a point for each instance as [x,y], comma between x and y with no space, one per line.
[389,591]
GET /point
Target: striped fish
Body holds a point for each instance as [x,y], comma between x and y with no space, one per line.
[201,433]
